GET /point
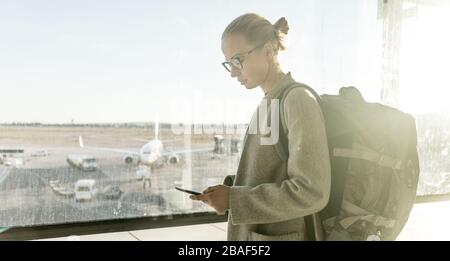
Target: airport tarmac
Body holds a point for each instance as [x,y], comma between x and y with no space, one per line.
[27,198]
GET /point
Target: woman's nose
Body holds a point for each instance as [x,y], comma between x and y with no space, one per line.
[235,72]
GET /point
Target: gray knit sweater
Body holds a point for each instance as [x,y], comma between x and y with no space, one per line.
[270,197]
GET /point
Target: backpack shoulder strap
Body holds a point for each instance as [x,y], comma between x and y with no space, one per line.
[282,146]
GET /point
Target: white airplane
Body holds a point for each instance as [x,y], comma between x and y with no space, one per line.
[151,154]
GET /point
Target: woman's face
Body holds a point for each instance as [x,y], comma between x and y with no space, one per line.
[255,65]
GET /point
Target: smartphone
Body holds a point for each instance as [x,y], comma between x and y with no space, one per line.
[188,191]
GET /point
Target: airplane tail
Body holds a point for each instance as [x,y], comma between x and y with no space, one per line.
[80,140]
[156,129]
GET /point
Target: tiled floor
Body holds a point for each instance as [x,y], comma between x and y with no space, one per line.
[213,232]
[120,236]
[428,221]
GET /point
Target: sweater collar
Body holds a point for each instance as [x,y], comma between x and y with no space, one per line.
[284,82]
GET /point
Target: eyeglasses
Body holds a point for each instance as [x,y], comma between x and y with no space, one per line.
[237,60]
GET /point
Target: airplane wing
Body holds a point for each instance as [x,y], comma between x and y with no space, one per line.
[164,141]
[107,149]
[187,151]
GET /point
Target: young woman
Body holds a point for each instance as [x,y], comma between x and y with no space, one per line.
[270,197]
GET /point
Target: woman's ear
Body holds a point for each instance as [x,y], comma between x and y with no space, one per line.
[269,50]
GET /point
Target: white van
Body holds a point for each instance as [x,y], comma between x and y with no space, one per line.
[83,162]
[85,189]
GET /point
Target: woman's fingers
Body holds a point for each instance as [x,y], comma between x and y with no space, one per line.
[197,197]
[211,189]
[203,198]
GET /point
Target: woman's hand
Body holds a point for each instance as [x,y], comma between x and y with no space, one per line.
[216,197]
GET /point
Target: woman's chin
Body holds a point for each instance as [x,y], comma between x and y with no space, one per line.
[249,87]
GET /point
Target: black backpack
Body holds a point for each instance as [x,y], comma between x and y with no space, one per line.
[374,166]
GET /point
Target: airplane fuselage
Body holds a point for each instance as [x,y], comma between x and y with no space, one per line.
[151,152]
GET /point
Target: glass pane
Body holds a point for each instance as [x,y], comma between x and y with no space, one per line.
[424,90]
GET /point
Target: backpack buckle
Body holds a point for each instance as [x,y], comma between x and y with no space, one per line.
[376,237]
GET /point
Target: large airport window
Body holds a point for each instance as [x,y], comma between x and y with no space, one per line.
[423,86]
[109,105]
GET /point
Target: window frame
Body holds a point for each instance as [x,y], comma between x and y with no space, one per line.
[109,226]
[432,198]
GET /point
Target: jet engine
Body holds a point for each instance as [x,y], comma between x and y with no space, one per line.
[173,159]
[128,159]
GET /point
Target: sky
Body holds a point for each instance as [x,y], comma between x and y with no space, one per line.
[126,61]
